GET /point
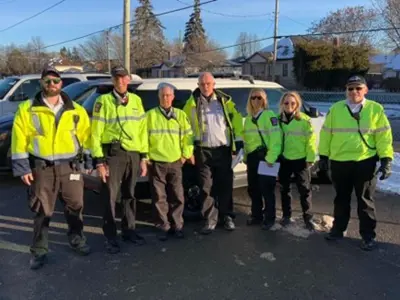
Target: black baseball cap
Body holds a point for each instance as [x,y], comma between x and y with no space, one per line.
[50,70]
[356,79]
[119,71]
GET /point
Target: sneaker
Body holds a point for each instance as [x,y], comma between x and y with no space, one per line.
[134,238]
[368,245]
[228,223]
[179,234]
[286,221]
[310,225]
[162,235]
[37,261]
[267,225]
[207,229]
[112,246]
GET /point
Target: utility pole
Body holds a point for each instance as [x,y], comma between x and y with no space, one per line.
[108,50]
[127,35]
[275,39]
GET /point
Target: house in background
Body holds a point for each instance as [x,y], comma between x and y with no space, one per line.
[65,65]
[259,64]
[175,67]
[388,65]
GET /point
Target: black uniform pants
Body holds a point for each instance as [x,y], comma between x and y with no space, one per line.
[167,194]
[123,173]
[49,183]
[216,181]
[260,187]
[360,176]
[302,175]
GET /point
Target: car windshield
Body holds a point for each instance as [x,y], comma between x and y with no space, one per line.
[76,89]
[6,85]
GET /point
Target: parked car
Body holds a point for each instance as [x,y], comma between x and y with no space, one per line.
[15,89]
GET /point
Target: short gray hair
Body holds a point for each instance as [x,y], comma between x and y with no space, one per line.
[163,85]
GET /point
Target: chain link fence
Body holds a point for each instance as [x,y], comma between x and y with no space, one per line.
[391,102]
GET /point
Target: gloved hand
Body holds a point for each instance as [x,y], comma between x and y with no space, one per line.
[323,163]
[385,168]
[88,162]
[238,145]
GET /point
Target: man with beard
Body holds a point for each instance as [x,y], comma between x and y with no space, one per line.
[119,147]
[218,130]
[49,135]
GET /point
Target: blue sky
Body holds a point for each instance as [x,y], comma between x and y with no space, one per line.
[78,17]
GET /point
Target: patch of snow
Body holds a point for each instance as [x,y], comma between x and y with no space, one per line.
[285,49]
[238,261]
[392,184]
[268,256]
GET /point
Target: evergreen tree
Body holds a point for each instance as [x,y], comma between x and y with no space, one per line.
[148,43]
[195,37]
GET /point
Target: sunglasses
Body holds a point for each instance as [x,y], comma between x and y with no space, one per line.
[359,88]
[289,103]
[256,98]
[54,80]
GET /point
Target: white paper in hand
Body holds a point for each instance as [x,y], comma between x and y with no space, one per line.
[263,169]
[238,159]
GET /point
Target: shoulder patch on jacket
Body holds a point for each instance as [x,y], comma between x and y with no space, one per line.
[97,107]
[274,121]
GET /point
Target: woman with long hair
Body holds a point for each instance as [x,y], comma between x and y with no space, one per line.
[298,156]
[262,139]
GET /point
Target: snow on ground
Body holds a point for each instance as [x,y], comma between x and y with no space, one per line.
[392,184]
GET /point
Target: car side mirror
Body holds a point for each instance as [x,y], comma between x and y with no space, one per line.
[19,97]
[313,112]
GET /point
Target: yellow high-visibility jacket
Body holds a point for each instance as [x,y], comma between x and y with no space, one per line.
[232,116]
[113,121]
[36,133]
[169,138]
[299,139]
[341,141]
[268,124]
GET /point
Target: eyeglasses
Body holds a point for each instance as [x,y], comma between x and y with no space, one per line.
[289,103]
[54,80]
[359,88]
[256,98]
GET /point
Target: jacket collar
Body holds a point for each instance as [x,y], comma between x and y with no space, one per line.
[219,94]
[68,104]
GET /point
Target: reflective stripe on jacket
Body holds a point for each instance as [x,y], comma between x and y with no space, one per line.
[109,117]
[232,116]
[341,141]
[268,125]
[299,139]
[36,133]
[169,138]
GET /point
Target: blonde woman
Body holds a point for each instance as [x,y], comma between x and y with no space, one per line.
[298,155]
[262,139]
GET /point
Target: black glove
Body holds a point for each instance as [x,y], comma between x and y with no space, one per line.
[238,145]
[88,162]
[385,168]
[323,163]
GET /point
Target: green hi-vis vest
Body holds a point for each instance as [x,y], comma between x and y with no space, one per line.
[340,138]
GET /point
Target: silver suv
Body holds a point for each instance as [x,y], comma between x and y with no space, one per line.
[15,89]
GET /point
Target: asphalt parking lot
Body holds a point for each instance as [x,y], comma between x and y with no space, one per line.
[245,264]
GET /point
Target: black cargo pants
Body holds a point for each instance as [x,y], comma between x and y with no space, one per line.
[302,174]
[167,194]
[49,182]
[123,173]
[359,175]
[260,187]
[216,181]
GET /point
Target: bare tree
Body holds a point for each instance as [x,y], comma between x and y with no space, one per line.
[17,62]
[389,12]
[36,54]
[348,19]
[247,44]
[207,59]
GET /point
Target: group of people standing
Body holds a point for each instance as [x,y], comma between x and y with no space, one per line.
[52,134]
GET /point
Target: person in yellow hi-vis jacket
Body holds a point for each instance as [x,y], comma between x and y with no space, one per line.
[355,136]
[119,148]
[262,139]
[170,146]
[298,156]
[50,135]
[218,129]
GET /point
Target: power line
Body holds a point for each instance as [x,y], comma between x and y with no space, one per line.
[228,15]
[119,25]
[31,17]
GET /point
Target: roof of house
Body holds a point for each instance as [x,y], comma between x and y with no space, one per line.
[390,61]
